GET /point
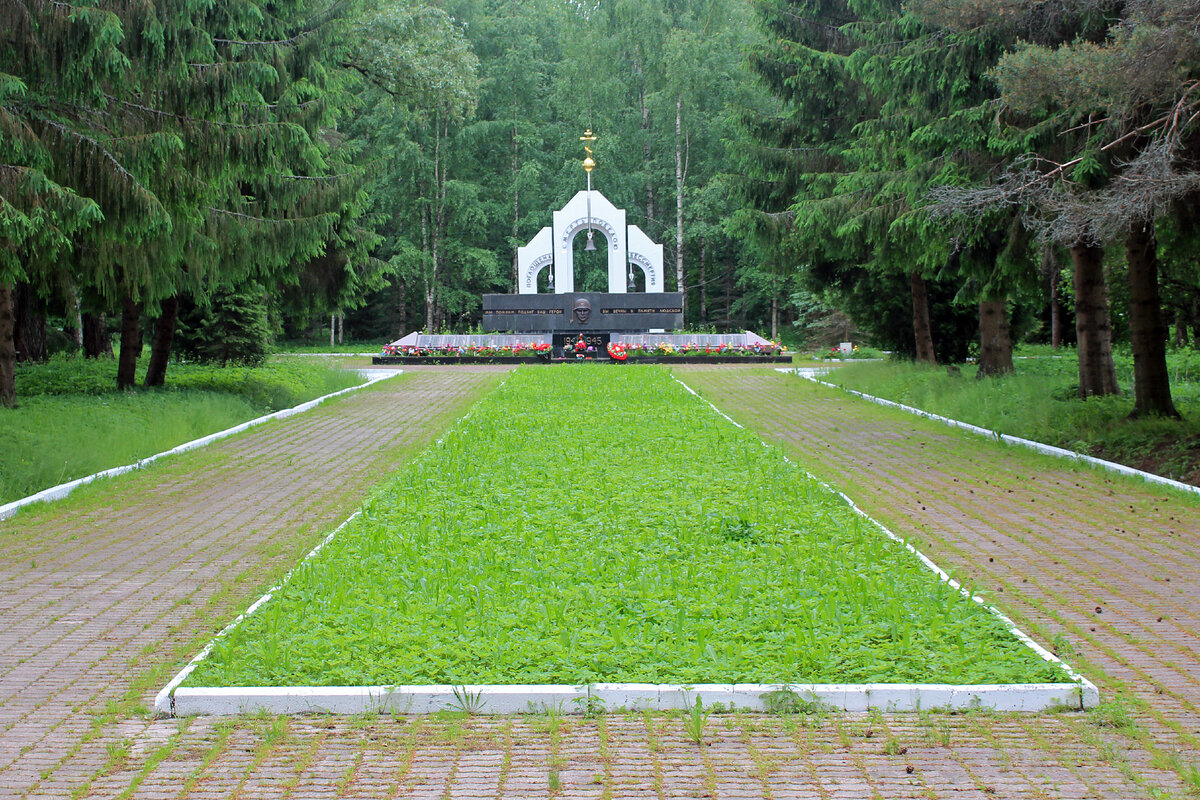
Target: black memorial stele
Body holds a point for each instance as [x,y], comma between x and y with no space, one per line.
[582,312]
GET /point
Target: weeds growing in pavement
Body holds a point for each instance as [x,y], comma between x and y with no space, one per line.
[695,720]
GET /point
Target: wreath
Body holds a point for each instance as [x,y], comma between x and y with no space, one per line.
[617,351]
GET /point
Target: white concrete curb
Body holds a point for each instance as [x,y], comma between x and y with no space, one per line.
[1047,449]
[176,700]
[64,489]
[517,699]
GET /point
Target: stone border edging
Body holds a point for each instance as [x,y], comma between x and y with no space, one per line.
[1040,447]
[63,489]
[518,699]
[164,701]
[175,700]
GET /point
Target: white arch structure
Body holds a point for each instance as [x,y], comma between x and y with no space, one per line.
[554,247]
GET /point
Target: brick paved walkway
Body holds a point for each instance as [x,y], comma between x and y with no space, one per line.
[139,570]
[103,596]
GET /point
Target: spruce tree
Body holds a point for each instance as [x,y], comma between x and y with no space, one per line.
[53,73]
[232,329]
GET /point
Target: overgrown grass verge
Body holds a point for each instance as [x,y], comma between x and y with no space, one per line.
[595,524]
[1038,402]
[71,422]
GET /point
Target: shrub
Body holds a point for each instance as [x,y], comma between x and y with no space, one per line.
[232,329]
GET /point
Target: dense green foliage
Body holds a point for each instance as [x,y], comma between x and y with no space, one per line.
[172,149]
[963,148]
[461,186]
[625,532]
[190,132]
[378,161]
[1038,401]
[72,422]
[921,170]
[880,107]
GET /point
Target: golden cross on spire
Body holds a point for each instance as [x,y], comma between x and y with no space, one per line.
[587,139]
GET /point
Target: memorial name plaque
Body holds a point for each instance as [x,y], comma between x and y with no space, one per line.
[551,311]
[564,344]
[656,310]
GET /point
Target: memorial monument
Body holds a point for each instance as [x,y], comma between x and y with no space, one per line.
[562,310]
[559,316]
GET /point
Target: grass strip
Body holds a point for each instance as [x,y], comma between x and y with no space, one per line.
[601,524]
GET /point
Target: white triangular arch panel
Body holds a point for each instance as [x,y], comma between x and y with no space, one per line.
[647,255]
[572,219]
[625,245]
[532,259]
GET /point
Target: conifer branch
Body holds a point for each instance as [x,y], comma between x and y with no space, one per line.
[201,121]
[106,155]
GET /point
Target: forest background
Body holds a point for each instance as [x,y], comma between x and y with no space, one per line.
[940,176]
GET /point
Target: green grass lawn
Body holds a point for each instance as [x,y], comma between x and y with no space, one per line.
[72,422]
[1038,402]
[595,523]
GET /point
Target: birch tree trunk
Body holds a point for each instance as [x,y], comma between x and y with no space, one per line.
[437,224]
[680,177]
[646,162]
[516,223]
[425,271]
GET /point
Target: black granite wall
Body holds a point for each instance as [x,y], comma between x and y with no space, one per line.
[582,312]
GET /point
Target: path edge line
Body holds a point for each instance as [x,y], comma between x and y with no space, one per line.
[1089,694]
[63,489]
[1030,444]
